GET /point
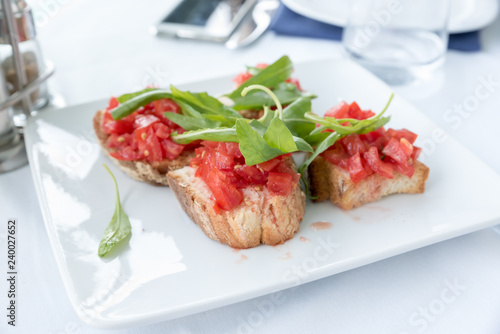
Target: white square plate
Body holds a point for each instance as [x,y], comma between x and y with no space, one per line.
[171,269]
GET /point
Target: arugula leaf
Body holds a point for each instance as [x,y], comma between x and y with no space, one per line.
[259,127]
[118,229]
[323,146]
[186,109]
[293,117]
[125,97]
[285,91]
[277,135]
[253,147]
[270,76]
[204,103]
[191,123]
[259,140]
[267,117]
[314,139]
[217,134]
[253,70]
[302,145]
[138,101]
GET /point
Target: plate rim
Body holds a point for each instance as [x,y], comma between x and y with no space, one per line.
[298,7]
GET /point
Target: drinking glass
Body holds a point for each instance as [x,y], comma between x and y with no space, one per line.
[398,40]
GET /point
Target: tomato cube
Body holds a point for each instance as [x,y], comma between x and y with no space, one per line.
[113,103]
[224,160]
[226,195]
[161,130]
[378,166]
[406,146]
[269,165]
[335,156]
[251,174]
[126,153]
[172,150]
[353,144]
[403,133]
[279,183]
[341,110]
[166,105]
[394,150]
[355,167]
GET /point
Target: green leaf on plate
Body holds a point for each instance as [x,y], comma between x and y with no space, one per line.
[118,229]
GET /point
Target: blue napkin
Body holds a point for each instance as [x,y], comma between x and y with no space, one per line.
[287,22]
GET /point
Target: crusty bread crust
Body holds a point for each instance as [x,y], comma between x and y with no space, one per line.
[151,172]
[261,218]
[328,181]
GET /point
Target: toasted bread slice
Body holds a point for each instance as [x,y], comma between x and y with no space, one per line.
[261,218]
[329,181]
[151,172]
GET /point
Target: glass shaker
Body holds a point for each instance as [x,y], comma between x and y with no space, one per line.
[31,54]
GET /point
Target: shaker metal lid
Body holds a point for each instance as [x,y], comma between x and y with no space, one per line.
[24,19]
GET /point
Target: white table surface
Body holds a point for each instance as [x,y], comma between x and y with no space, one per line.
[102,48]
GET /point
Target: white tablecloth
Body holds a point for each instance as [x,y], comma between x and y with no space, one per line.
[102,48]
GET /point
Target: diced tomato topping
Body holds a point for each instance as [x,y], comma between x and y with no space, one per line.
[341,110]
[110,126]
[144,121]
[280,183]
[227,160]
[356,112]
[355,167]
[380,151]
[127,153]
[241,78]
[251,174]
[123,140]
[145,134]
[234,149]
[416,152]
[166,105]
[226,195]
[223,160]
[393,149]
[268,165]
[335,156]
[405,169]
[406,146]
[161,130]
[353,144]
[152,151]
[376,164]
[283,167]
[172,150]
[113,103]
[403,133]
